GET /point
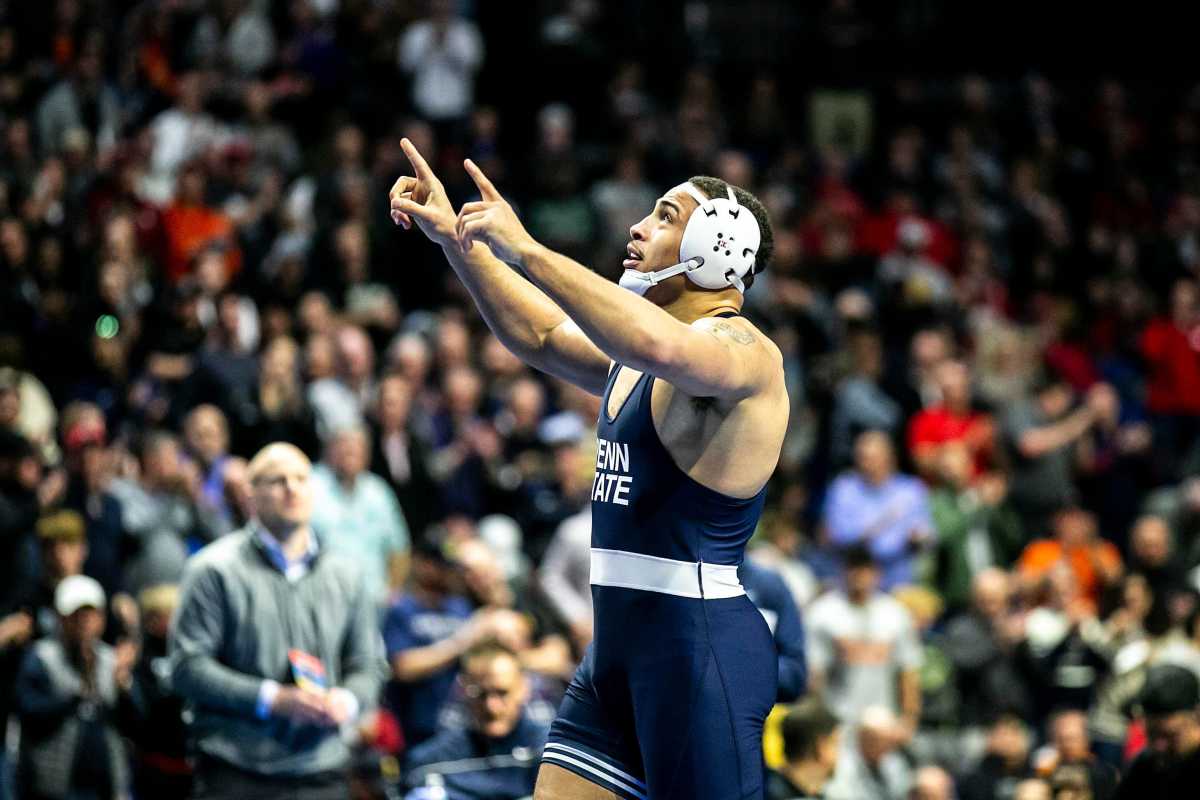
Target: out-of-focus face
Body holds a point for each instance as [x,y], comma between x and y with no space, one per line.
[1171,734]
[64,557]
[1152,541]
[954,383]
[84,627]
[932,783]
[497,690]
[862,581]
[356,356]
[410,355]
[929,348]
[13,243]
[655,240]
[1075,528]
[462,388]
[526,400]
[873,456]
[1056,400]
[348,454]
[282,491]
[479,568]
[1070,737]
[318,356]
[160,464]
[278,362]
[395,402]
[453,344]
[991,593]
[207,434]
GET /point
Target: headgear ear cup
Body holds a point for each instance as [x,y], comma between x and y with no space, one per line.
[724,236]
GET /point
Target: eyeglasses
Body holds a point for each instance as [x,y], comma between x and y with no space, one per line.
[476,692]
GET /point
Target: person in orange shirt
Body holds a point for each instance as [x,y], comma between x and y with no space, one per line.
[1095,562]
[191,226]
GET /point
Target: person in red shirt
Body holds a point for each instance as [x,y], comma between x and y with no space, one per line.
[952,420]
[1170,345]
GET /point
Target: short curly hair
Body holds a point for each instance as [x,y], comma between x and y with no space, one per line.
[715,187]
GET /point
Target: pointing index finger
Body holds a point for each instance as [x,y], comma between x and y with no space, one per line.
[486,190]
[420,166]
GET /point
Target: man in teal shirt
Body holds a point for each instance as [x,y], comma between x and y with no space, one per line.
[356,513]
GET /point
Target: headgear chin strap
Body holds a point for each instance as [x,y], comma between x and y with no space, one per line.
[717,250]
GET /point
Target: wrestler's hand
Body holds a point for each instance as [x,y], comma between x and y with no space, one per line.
[422,199]
[491,221]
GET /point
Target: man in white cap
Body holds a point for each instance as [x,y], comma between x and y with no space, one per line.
[67,694]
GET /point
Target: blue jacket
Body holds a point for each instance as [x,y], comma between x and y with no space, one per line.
[473,767]
[770,595]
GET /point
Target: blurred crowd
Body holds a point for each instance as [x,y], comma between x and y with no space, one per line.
[986,291]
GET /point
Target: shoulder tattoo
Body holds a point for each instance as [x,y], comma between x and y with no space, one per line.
[737,334]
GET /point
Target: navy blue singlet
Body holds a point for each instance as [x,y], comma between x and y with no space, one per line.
[670,698]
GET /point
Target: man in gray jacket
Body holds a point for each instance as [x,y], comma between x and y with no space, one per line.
[275,646]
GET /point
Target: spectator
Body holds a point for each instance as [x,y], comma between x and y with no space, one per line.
[399,456]
[23,493]
[1173,375]
[522,624]
[770,595]
[83,100]
[981,645]
[880,509]
[1063,655]
[279,410]
[1171,759]
[443,53]
[870,768]
[355,513]
[951,420]
[206,435]
[1040,435]
[565,576]
[1070,748]
[1152,554]
[64,550]
[932,783]
[811,743]
[497,757]
[161,512]
[269,698]
[860,402]
[67,693]
[153,719]
[340,399]
[1094,563]
[976,527]
[862,647]
[1005,764]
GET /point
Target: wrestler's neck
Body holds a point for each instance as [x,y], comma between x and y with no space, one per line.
[689,303]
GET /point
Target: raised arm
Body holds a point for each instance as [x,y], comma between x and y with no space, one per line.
[721,358]
[523,318]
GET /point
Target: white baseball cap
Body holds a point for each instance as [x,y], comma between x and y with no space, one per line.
[76,592]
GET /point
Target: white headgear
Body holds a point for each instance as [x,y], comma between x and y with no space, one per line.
[718,247]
